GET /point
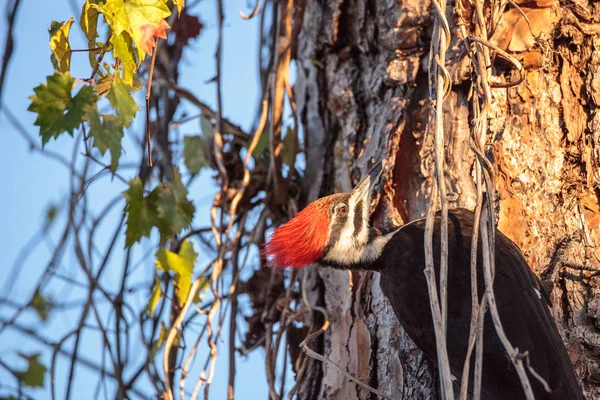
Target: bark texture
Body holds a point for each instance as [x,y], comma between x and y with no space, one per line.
[362,92]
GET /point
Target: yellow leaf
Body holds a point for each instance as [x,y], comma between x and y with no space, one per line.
[179,4]
[157,293]
[89,26]
[59,44]
[181,264]
[142,20]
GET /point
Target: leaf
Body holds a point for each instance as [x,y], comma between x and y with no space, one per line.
[175,211]
[107,132]
[149,32]
[123,50]
[182,264]
[188,252]
[194,148]
[143,20]
[290,147]
[89,25]
[121,100]
[187,27]
[59,44]
[34,375]
[207,127]
[263,142]
[166,207]
[137,84]
[57,111]
[201,288]
[162,336]
[51,213]
[141,212]
[41,305]
[156,346]
[157,293]
[179,4]
[103,83]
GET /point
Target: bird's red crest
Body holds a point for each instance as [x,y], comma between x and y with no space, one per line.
[301,241]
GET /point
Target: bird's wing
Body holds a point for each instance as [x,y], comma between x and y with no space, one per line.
[519,296]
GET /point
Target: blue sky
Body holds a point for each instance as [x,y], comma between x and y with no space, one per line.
[33,181]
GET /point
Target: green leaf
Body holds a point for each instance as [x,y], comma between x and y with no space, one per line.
[41,305]
[207,128]
[51,213]
[57,111]
[182,264]
[263,142]
[166,207]
[194,148]
[175,211]
[156,346]
[80,103]
[157,293]
[34,375]
[137,84]
[121,100]
[107,132]
[201,288]
[141,212]
[103,83]
[290,147]
[59,44]
[89,25]
[143,20]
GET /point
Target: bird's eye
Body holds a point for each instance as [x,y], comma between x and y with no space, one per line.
[342,210]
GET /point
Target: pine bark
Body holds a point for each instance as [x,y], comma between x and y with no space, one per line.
[362,93]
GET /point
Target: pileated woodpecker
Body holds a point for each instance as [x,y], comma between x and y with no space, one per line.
[334,231]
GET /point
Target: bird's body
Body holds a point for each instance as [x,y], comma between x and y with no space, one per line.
[519,295]
[338,234]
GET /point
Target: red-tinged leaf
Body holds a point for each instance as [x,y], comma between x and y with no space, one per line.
[151,31]
[142,20]
[187,27]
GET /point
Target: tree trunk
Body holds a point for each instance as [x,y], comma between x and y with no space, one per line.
[362,92]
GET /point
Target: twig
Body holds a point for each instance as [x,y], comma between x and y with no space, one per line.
[233,325]
[246,179]
[218,134]
[207,112]
[487,268]
[282,58]
[313,354]
[475,328]
[439,79]
[148,93]
[11,16]
[254,12]
[173,333]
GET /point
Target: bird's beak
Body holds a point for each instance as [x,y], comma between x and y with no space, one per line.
[364,188]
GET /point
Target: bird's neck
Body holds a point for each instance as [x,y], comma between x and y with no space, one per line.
[363,256]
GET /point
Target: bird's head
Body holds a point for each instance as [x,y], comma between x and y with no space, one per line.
[333,229]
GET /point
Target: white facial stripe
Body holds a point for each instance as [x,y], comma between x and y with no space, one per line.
[351,247]
[343,254]
[347,247]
